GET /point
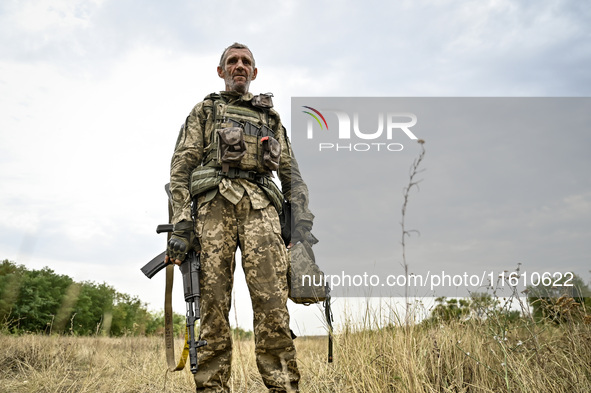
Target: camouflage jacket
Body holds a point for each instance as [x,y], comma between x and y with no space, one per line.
[197,133]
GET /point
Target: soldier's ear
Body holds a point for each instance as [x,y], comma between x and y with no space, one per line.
[221,72]
[254,74]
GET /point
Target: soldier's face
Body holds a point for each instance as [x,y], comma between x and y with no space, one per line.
[238,70]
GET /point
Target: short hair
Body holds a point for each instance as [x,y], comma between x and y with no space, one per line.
[235,45]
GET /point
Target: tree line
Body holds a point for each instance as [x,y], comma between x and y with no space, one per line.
[561,301]
[42,301]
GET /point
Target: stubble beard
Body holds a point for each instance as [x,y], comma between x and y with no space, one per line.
[239,87]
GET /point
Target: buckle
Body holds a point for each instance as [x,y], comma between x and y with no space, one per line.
[235,173]
[248,175]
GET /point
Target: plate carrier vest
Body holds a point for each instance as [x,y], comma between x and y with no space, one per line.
[254,122]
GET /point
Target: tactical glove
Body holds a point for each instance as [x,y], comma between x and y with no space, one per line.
[302,233]
[181,241]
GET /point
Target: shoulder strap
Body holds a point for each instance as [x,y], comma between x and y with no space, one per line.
[212,96]
[168,317]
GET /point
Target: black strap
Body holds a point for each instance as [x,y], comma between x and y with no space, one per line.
[329,319]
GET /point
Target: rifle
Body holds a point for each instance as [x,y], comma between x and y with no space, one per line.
[189,268]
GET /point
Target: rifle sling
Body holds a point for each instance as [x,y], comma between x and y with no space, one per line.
[169,327]
[168,317]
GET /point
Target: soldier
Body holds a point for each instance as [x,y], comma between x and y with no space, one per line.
[224,198]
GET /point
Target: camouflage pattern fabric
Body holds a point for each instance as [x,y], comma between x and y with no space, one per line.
[238,213]
[306,280]
[221,226]
[196,136]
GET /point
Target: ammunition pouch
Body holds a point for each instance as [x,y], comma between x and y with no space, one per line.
[271,152]
[263,101]
[231,147]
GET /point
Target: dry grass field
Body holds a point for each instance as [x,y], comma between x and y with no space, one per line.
[456,357]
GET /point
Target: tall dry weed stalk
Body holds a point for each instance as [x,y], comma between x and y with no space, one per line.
[412,183]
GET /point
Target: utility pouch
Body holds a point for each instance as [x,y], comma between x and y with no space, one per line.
[263,101]
[304,278]
[271,152]
[231,147]
[204,179]
[272,191]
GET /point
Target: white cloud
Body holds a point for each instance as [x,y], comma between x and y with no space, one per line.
[35,16]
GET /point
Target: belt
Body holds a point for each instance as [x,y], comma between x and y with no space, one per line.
[236,173]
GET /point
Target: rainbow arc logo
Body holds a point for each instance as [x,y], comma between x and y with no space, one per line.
[315,117]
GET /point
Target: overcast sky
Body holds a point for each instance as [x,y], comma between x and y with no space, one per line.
[93,94]
[504,182]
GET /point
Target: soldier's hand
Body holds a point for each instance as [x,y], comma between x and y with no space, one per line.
[301,232]
[168,260]
[180,242]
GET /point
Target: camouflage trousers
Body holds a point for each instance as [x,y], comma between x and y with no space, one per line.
[222,227]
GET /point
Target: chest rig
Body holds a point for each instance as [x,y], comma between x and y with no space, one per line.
[238,137]
[254,123]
